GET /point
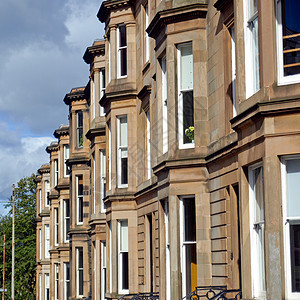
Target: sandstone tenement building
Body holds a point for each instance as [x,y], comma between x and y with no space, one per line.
[180,165]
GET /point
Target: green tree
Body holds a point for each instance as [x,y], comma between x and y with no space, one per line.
[25,241]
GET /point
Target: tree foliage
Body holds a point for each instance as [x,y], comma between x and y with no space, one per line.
[25,241]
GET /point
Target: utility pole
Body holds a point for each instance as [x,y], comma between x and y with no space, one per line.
[13,247]
[3,285]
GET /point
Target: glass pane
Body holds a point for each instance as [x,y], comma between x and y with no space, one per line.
[253,7]
[189,219]
[255,53]
[122,36]
[80,209]
[291,26]
[295,257]
[186,67]
[79,119]
[123,131]
[80,273]
[123,62]
[188,113]
[293,180]
[124,235]
[124,171]
[124,257]
[190,267]
[259,214]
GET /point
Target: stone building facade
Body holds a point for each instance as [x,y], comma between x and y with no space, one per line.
[184,156]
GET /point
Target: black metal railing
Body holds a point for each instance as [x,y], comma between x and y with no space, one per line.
[214,293]
[140,296]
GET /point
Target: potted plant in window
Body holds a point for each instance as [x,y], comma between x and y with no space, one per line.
[189,132]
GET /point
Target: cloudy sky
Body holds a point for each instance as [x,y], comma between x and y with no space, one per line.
[41,47]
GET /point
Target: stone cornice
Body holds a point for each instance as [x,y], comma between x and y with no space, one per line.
[96,132]
[173,15]
[84,159]
[62,130]
[110,5]
[53,147]
[97,49]
[75,94]
[38,178]
[44,169]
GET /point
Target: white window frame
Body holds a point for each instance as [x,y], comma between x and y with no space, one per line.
[103,179]
[66,157]
[56,281]
[168,269]
[56,226]
[103,269]
[56,172]
[95,270]
[66,219]
[186,243]
[40,195]
[164,95]
[78,129]
[119,151]
[252,85]
[47,240]
[79,198]
[282,80]
[181,133]
[120,253]
[40,286]
[66,280]
[146,38]
[110,257]
[93,88]
[286,229]
[148,144]
[233,70]
[47,192]
[109,156]
[258,275]
[94,183]
[119,52]
[47,286]
[109,59]
[40,243]
[102,88]
[78,270]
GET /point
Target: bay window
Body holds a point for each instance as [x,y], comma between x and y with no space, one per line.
[291,224]
[188,244]
[251,47]
[146,38]
[79,272]
[257,230]
[79,129]
[122,152]
[123,282]
[185,94]
[109,155]
[122,51]
[288,41]
[79,197]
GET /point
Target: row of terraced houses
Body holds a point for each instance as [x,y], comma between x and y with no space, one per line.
[180,165]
